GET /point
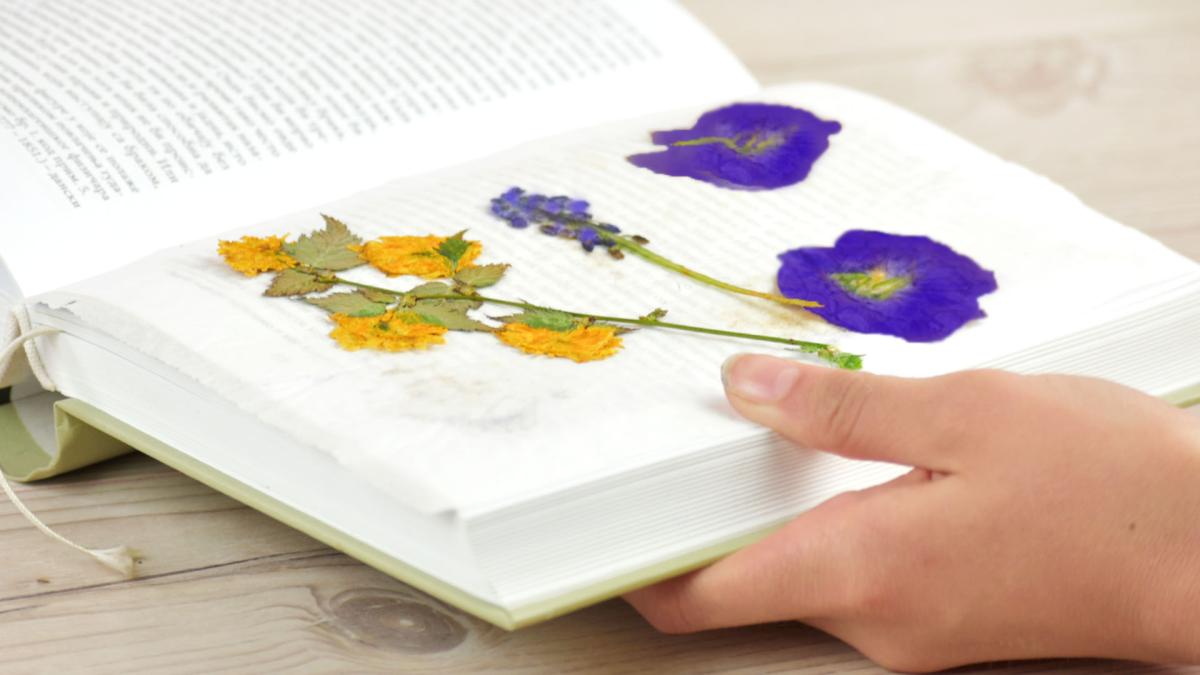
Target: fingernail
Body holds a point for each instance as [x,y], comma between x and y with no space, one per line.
[759,379]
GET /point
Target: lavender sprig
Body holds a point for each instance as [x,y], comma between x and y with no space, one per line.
[562,216]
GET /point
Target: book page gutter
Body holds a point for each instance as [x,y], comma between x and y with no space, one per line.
[163,122]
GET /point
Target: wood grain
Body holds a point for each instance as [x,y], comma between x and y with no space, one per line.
[1102,96]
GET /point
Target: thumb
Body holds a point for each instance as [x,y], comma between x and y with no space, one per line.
[914,422]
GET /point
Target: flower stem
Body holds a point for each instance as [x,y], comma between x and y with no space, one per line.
[637,249]
[824,351]
[628,244]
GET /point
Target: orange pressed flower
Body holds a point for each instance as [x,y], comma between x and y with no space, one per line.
[415,255]
[254,255]
[581,343]
[389,332]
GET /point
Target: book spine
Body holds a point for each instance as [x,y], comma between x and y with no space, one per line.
[27,436]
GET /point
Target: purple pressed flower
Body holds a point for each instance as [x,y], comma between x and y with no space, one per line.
[557,216]
[873,282]
[508,206]
[744,146]
[588,238]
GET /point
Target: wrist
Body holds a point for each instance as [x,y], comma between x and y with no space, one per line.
[1171,612]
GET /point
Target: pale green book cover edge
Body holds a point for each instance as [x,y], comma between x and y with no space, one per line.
[86,435]
[24,459]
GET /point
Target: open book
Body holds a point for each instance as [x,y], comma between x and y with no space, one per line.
[517,487]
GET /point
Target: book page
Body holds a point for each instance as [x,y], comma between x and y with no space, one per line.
[131,127]
[474,422]
[10,295]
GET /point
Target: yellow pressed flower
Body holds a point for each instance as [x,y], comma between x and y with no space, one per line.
[582,343]
[389,332]
[254,255]
[415,255]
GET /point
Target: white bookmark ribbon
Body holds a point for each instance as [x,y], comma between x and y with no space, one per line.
[121,558]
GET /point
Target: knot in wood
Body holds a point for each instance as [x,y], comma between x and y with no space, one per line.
[395,621]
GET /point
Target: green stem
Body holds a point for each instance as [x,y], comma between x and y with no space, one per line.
[826,352]
[641,251]
[628,244]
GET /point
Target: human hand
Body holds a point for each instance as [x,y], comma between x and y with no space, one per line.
[1049,516]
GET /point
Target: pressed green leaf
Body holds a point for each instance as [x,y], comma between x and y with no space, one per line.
[833,356]
[327,249]
[352,304]
[295,282]
[455,303]
[844,360]
[426,296]
[452,317]
[454,248]
[482,275]
[544,318]
[654,314]
[431,288]
[386,297]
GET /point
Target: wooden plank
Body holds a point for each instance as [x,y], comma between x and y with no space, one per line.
[1099,95]
[321,611]
[178,524]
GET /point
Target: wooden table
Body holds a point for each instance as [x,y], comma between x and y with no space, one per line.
[1102,96]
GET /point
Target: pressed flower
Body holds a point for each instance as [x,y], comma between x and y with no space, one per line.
[745,146]
[254,255]
[558,216]
[367,316]
[873,282]
[569,218]
[581,343]
[389,332]
[420,256]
